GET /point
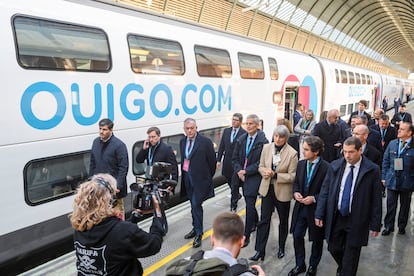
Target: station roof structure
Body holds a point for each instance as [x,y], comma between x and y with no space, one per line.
[374,34]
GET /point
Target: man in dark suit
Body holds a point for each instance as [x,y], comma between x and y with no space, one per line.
[386,131]
[401,116]
[246,158]
[308,181]
[297,115]
[228,140]
[362,105]
[331,134]
[198,166]
[154,150]
[349,206]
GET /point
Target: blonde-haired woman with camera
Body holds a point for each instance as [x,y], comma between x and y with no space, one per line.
[104,244]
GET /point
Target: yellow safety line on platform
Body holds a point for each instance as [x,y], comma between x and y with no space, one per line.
[184,248]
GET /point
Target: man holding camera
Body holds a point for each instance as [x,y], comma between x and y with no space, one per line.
[198,165]
[154,150]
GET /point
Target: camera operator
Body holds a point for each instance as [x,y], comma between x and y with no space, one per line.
[154,150]
[104,244]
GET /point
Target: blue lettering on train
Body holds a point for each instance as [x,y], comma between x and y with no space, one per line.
[131,102]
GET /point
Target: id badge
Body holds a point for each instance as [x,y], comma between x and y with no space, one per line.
[150,170]
[186,165]
[245,164]
[398,164]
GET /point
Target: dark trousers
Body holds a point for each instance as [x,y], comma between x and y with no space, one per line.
[235,187]
[196,207]
[251,215]
[346,256]
[269,202]
[299,241]
[392,199]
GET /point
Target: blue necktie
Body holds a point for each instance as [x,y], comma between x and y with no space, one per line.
[346,194]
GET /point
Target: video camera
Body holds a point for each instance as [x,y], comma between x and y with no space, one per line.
[157,184]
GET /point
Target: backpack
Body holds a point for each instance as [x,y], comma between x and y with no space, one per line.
[197,266]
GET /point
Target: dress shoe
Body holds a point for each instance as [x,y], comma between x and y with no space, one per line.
[281,254]
[297,270]
[233,208]
[190,235]
[401,231]
[257,256]
[246,242]
[311,271]
[197,241]
[386,232]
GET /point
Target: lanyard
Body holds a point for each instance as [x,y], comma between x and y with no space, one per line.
[402,117]
[401,149]
[189,147]
[383,132]
[151,153]
[249,146]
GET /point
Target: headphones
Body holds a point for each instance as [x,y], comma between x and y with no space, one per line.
[106,184]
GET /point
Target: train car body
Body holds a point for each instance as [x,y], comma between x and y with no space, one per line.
[68,64]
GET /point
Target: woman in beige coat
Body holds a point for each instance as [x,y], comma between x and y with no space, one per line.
[278,163]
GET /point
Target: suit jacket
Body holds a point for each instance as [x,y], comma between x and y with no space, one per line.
[315,184]
[374,139]
[373,154]
[201,168]
[356,113]
[226,148]
[285,170]
[366,206]
[162,153]
[399,180]
[330,135]
[253,177]
[390,134]
[398,118]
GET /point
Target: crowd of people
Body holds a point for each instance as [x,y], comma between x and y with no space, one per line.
[335,171]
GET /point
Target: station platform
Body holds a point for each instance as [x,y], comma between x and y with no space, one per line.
[384,255]
[389,255]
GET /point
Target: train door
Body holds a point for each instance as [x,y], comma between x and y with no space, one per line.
[293,92]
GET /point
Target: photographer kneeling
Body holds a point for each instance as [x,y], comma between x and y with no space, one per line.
[104,244]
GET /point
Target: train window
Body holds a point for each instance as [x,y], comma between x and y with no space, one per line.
[370,79]
[351,77]
[51,178]
[342,110]
[44,44]
[337,76]
[358,78]
[363,79]
[344,76]
[215,136]
[251,66]
[212,62]
[350,108]
[151,55]
[274,71]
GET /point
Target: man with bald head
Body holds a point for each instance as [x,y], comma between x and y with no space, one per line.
[374,138]
[331,134]
[361,132]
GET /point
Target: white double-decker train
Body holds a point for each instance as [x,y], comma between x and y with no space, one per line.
[68,64]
